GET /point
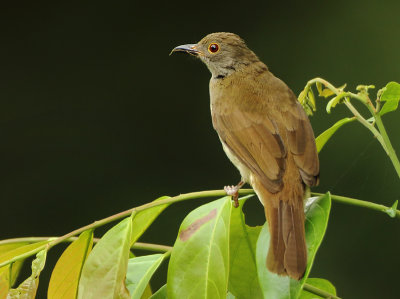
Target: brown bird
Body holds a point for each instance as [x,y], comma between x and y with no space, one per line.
[267,135]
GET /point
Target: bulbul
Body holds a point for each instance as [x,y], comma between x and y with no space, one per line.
[266,134]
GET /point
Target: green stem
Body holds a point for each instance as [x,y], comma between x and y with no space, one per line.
[334,89]
[202,194]
[312,289]
[381,135]
[390,150]
[137,245]
[182,197]
[366,124]
[360,203]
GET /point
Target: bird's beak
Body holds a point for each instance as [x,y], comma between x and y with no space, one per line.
[189,48]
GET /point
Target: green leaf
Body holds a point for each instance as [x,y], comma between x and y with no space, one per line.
[20,251]
[140,270]
[66,274]
[326,92]
[199,264]
[392,210]
[390,95]
[319,283]
[103,274]
[319,87]
[147,292]
[145,218]
[302,96]
[6,282]
[161,293]
[274,286]
[311,99]
[333,102]
[327,134]
[242,258]
[9,253]
[28,288]
[306,99]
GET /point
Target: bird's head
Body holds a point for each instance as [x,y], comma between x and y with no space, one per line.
[222,52]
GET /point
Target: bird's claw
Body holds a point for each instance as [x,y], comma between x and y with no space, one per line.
[234,192]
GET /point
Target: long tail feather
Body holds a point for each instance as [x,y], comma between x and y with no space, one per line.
[287,254]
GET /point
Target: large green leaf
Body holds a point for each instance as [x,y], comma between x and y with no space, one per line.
[140,270]
[274,286]
[243,279]
[6,282]
[391,97]
[327,134]
[199,264]
[103,275]
[319,283]
[28,288]
[65,277]
[143,219]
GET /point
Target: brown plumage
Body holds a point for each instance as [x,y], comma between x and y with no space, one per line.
[267,136]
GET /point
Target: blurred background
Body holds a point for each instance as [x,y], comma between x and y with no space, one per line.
[96,118]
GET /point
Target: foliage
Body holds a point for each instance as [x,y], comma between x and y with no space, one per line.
[216,254]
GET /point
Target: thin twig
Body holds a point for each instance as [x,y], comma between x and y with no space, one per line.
[137,245]
[360,203]
[167,201]
[317,291]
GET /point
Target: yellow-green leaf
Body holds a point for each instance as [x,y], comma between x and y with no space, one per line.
[199,264]
[65,277]
[103,274]
[242,255]
[319,87]
[140,271]
[311,99]
[143,219]
[326,92]
[20,251]
[28,288]
[391,97]
[6,282]
[9,254]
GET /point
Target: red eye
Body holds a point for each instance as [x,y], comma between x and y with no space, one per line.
[213,48]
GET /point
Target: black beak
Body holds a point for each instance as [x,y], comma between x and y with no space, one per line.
[189,48]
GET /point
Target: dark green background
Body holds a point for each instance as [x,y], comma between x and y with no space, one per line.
[96,118]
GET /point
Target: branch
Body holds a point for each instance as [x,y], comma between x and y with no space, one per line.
[390,150]
[312,289]
[137,245]
[201,194]
[171,200]
[392,211]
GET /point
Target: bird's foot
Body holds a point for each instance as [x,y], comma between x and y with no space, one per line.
[234,192]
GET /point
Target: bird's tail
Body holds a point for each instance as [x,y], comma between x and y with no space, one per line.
[287,254]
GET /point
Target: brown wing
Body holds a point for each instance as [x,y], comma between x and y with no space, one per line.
[301,142]
[255,141]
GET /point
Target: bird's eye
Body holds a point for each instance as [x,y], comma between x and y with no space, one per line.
[213,48]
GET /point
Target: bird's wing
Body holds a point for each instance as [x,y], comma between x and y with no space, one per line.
[256,143]
[259,145]
[301,142]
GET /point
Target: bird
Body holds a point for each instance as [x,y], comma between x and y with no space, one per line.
[267,135]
